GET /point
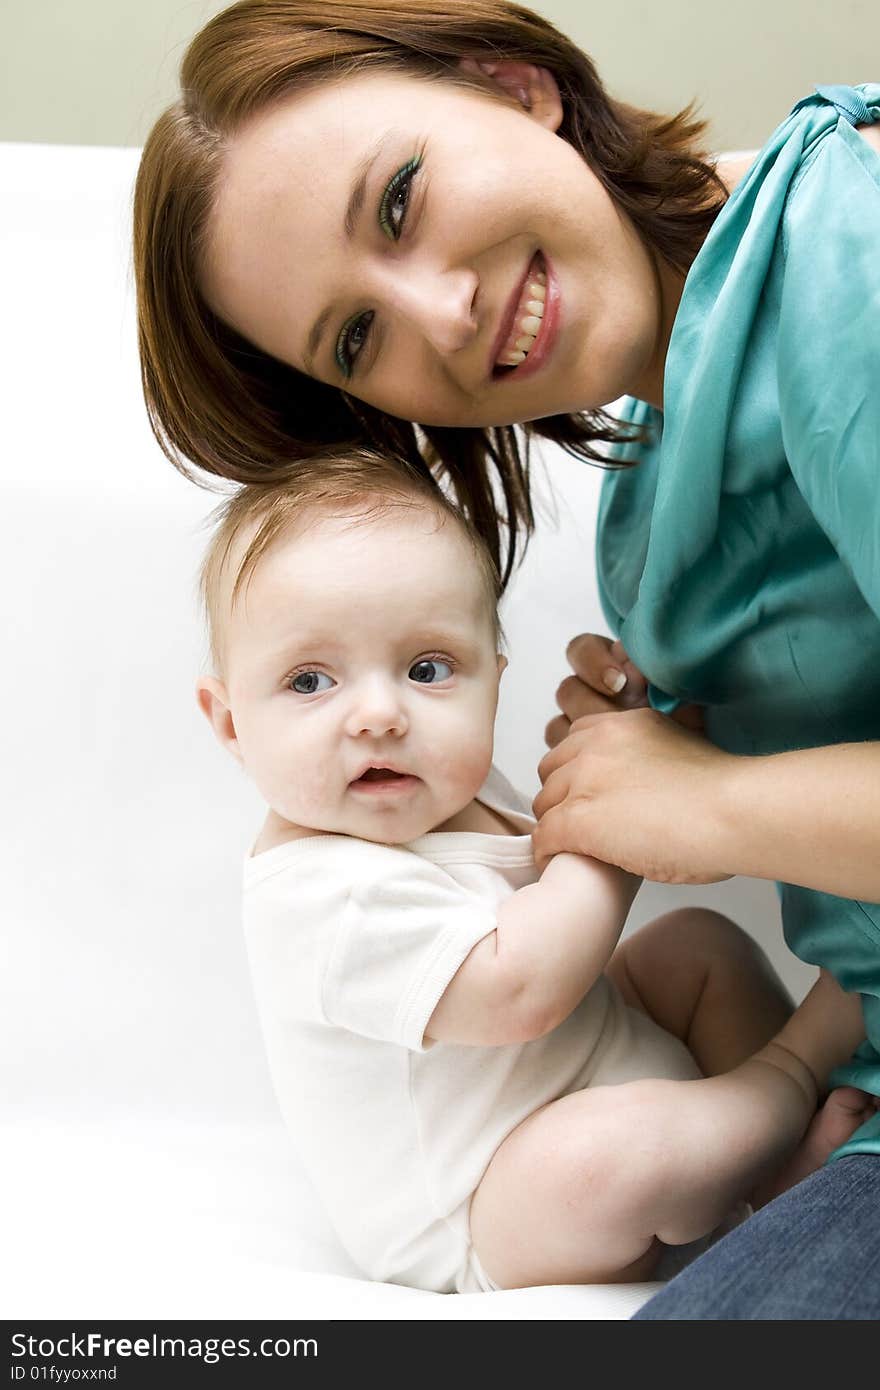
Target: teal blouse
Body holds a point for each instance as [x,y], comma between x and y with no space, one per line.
[740,560]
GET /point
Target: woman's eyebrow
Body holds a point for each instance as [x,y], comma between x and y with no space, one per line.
[353,210]
[359,187]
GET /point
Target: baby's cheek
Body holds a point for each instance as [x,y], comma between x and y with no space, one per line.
[297,789]
[466,760]
[308,789]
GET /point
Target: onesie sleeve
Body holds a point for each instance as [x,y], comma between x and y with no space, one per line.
[400,939]
[829,350]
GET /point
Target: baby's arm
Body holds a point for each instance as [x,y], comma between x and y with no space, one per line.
[552,941]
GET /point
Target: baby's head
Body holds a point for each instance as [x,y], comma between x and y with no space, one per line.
[352,615]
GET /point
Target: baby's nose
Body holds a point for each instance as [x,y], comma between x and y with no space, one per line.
[378,710]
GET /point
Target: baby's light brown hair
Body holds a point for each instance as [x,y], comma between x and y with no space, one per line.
[357,484]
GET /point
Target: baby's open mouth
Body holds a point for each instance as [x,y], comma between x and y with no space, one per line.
[384,782]
[384,779]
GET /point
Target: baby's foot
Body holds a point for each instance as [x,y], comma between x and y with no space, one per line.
[841,1115]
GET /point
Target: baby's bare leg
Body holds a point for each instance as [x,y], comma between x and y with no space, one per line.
[706,981]
[585,1189]
[582,1190]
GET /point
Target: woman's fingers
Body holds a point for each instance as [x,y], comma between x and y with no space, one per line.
[562,829]
[562,752]
[555,788]
[636,688]
[604,681]
[603,666]
[589,656]
[556,731]
[690,717]
[576,699]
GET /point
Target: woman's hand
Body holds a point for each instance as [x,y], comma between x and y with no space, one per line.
[604,682]
[638,791]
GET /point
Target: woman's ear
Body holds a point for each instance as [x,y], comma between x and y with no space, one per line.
[214,704]
[534,88]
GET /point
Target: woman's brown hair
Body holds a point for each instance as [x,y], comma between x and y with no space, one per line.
[218,404]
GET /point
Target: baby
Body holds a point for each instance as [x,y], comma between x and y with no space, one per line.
[487,1090]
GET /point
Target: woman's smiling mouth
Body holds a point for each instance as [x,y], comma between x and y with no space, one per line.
[530,327]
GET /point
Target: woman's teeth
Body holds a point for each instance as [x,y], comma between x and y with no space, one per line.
[526,323]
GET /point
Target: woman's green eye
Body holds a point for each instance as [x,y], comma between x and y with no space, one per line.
[392,215]
[351,340]
[395,199]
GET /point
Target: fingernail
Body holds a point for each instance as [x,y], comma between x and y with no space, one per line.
[613,680]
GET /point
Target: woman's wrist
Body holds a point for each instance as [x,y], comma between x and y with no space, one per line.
[721,815]
[808,816]
[736,817]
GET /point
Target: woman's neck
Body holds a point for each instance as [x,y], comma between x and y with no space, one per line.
[670,285]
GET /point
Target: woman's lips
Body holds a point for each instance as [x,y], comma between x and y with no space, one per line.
[546,334]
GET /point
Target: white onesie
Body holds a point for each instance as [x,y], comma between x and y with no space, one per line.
[351,945]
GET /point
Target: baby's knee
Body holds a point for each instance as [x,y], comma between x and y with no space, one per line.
[709,934]
[624,1153]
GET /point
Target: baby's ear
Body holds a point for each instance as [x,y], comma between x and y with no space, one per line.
[213,701]
[502,664]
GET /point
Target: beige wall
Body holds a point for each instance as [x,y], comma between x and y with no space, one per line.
[97,72]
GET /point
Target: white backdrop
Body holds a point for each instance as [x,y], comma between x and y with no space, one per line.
[147,1174]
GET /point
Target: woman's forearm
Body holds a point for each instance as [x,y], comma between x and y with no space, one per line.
[810,817]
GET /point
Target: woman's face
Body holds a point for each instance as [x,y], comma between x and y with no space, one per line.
[435,251]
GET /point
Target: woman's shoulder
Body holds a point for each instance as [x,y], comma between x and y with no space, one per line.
[840,155]
[834,200]
[871,135]
[732,168]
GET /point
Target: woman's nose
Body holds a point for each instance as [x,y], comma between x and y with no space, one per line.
[440,304]
[377,709]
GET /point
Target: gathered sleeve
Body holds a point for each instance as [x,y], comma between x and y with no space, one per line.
[829,351]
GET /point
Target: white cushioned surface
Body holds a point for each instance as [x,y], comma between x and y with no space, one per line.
[148,1174]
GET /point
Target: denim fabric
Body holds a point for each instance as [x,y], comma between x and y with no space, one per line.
[812,1255]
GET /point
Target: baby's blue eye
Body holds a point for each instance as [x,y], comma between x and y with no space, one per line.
[427,672]
[310,682]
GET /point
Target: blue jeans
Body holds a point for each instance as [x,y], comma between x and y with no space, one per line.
[812,1254]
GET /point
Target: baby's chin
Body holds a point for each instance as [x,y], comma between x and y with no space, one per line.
[393,830]
[400,826]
